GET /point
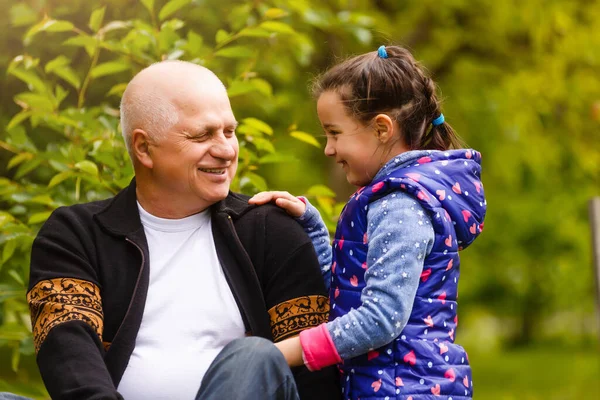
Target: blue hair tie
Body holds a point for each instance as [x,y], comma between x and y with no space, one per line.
[438,121]
[381,52]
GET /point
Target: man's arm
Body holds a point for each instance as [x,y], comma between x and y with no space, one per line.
[294,292]
[66,312]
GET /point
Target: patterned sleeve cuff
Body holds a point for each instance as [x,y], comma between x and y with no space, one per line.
[318,350]
[54,301]
[288,318]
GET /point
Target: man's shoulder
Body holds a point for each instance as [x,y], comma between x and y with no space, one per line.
[77,217]
[82,210]
[236,205]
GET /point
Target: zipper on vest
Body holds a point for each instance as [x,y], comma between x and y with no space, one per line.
[137,283]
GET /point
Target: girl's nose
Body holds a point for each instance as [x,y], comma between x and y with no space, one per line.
[329,149]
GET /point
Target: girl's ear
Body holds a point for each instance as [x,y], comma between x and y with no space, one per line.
[140,146]
[385,128]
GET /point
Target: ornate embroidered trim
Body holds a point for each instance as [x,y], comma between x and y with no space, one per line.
[292,316]
[54,301]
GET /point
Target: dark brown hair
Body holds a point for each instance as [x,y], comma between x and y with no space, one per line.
[397,86]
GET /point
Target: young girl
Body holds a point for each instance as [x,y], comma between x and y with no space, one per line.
[395,265]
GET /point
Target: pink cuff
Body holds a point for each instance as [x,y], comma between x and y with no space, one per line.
[318,350]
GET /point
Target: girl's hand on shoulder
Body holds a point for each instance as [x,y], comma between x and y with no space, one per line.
[292,205]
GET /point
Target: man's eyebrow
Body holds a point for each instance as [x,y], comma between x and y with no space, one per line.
[215,127]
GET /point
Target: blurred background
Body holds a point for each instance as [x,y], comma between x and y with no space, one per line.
[520,82]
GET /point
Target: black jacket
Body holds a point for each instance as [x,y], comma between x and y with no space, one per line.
[89,280]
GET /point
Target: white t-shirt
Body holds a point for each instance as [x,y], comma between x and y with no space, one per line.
[190,312]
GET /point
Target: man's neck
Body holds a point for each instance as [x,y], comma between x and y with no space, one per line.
[162,205]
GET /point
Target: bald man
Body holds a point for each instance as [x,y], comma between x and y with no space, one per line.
[175,288]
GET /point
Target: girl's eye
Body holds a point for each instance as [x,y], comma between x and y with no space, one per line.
[332,133]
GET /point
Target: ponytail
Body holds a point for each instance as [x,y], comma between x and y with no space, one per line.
[440,137]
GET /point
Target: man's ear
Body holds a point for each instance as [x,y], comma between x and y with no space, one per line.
[140,144]
[385,128]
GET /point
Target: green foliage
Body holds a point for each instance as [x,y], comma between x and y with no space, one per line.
[519,80]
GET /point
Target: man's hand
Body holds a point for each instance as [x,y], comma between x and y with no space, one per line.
[292,205]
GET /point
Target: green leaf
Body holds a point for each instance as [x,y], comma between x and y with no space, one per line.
[172,7]
[18,138]
[27,167]
[48,25]
[109,68]
[18,118]
[263,145]
[85,41]
[35,101]
[237,88]
[117,90]
[255,32]
[69,75]
[173,24]
[30,78]
[5,218]
[18,159]
[58,178]
[278,27]
[57,62]
[87,166]
[259,125]
[60,94]
[235,52]
[277,158]
[320,190]
[256,180]
[274,13]
[306,138]
[42,199]
[221,36]
[96,19]
[16,277]
[8,250]
[149,4]
[363,35]
[114,25]
[262,86]
[39,217]
[194,43]
[22,14]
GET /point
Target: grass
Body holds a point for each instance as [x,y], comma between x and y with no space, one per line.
[537,373]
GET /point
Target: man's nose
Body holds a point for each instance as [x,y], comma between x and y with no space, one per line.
[223,147]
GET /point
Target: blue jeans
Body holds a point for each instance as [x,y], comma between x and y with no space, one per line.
[10,396]
[249,368]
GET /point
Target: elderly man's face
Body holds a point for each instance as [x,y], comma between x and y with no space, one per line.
[197,160]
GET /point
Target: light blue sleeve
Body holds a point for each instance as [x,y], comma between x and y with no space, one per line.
[315,228]
[400,237]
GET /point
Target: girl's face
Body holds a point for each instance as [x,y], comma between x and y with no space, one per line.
[353,145]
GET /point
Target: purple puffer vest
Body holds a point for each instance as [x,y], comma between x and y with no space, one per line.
[423,362]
